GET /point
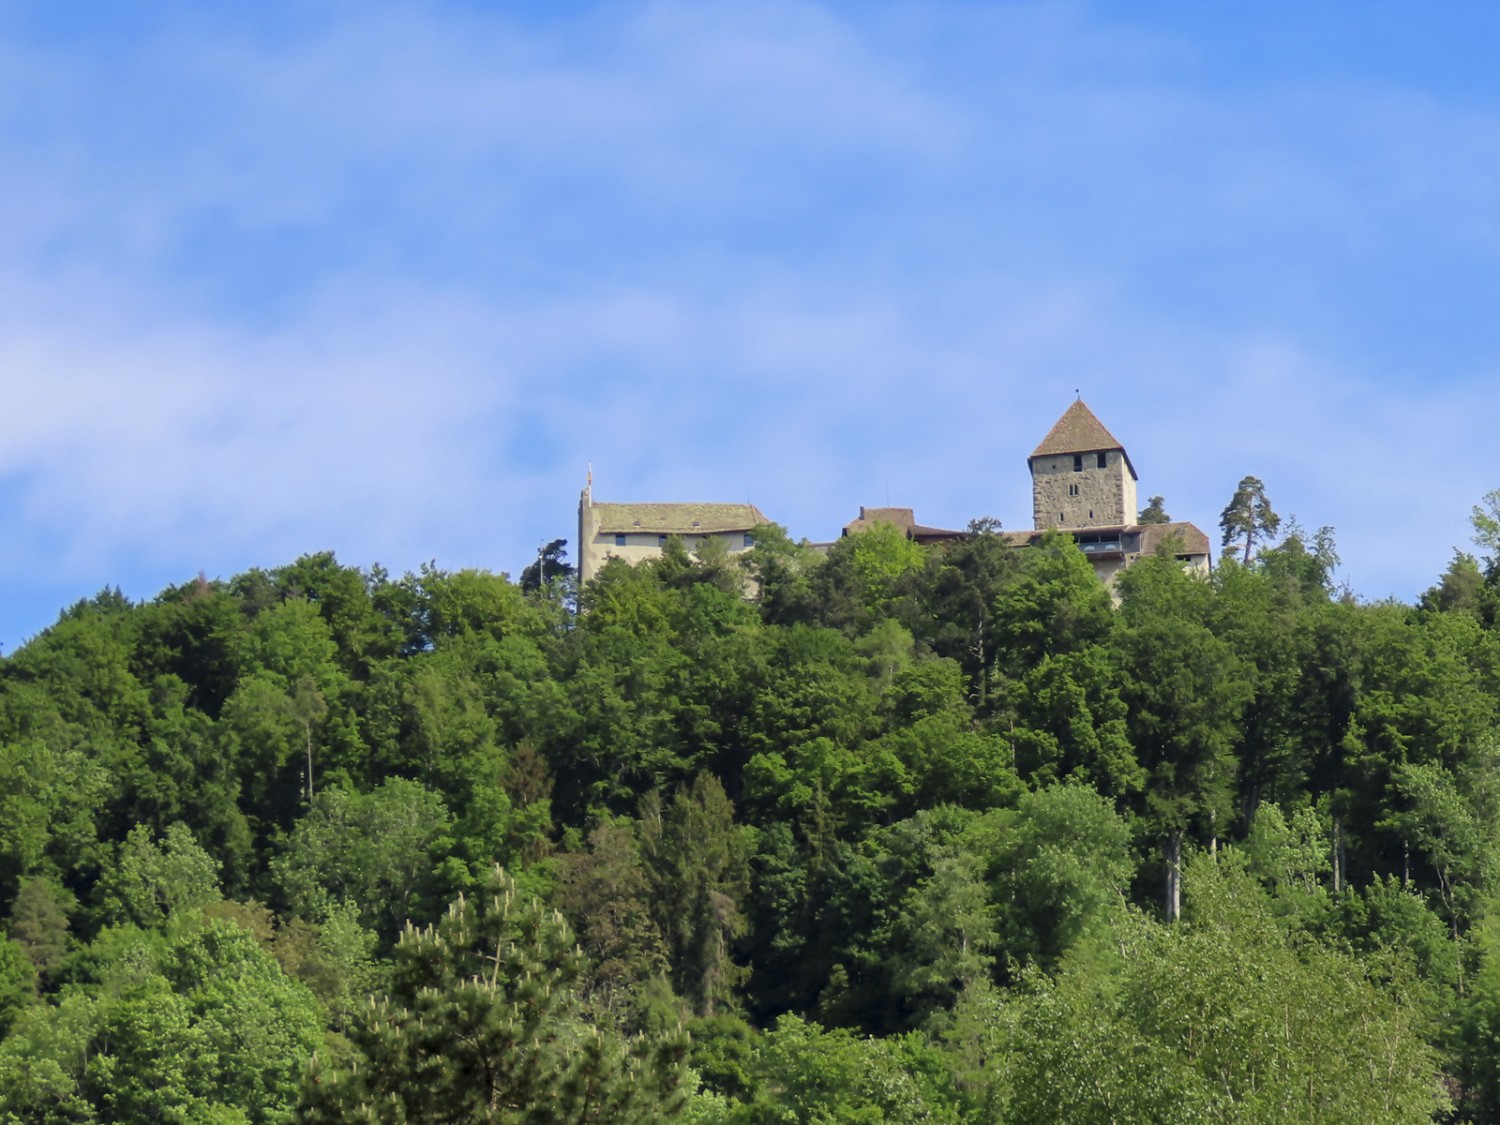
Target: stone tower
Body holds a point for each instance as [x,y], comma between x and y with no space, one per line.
[1081,476]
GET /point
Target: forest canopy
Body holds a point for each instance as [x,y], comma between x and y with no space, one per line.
[886,833]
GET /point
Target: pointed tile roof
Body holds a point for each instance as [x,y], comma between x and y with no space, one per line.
[1078,431]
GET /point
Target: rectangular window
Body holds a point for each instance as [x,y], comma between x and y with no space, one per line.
[619,540]
[661,540]
[749,539]
[1078,462]
[1103,461]
[1072,490]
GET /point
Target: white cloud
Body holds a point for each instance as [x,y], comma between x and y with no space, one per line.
[386,285]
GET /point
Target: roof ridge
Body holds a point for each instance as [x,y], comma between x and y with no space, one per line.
[1077,431]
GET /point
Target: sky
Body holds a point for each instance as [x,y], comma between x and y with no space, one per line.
[387,278]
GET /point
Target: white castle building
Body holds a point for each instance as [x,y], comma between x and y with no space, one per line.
[1082,483]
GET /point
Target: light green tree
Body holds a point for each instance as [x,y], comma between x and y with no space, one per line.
[153,880]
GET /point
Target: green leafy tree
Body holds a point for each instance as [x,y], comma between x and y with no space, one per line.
[779,570]
[1303,563]
[1451,822]
[866,575]
[380,849]
[962,586]
[203,1026]
[1063,868]
[1484,518]
[811,1075]
[1185,691]
[1218,1019]
[153,880]
[945,936]
[17,982]
[1462,589]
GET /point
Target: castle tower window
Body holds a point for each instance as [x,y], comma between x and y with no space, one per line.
[1103,459]
[1072,490]
[1078,462]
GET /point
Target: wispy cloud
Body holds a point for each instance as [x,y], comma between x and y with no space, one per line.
[385,278]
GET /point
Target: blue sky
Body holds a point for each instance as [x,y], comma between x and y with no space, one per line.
[383,278]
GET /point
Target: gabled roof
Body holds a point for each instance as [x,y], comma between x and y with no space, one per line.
[904,520]
[676,519]
[1078,431]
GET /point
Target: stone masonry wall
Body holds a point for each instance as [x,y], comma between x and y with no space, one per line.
[1105,497]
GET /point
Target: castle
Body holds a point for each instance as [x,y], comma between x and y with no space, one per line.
[1082,483]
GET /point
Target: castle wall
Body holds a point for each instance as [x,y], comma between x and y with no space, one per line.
[600,547]
[1092,497]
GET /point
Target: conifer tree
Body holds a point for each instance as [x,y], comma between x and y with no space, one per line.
[1248,518]
[482,1025]
[1154,511]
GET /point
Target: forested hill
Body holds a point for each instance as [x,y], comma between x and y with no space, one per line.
[898,839]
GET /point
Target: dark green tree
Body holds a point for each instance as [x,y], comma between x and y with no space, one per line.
[1247,520]
[483,1024]
[1154,512]
[697,861]
[1185,690]
[551,565]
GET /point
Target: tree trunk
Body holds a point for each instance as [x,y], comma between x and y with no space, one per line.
[309,766]
[1338,855]
[1174,876]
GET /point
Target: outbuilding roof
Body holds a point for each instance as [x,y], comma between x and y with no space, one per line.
[676,519]
[902,518]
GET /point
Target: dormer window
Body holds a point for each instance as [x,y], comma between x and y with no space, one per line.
[1078,462]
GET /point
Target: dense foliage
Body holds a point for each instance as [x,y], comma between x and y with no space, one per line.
[947,835]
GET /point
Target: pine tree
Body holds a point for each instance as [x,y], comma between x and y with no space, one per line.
[1248,518]
[1154,511]
[482,1025]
